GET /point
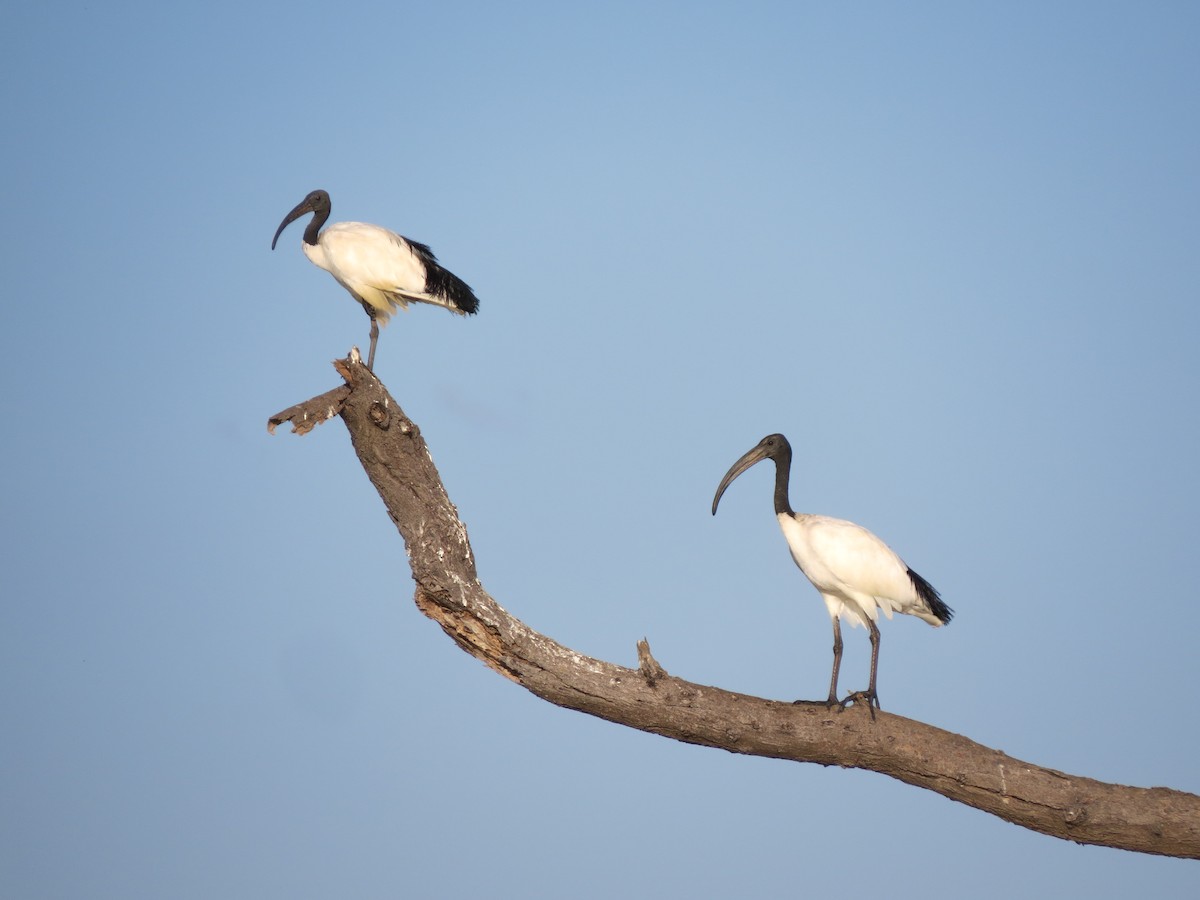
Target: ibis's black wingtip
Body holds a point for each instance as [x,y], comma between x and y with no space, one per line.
[932,598]
[441,282]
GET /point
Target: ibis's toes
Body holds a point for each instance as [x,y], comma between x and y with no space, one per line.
[868,697]
[830,703]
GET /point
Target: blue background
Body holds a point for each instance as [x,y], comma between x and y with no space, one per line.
[950,250]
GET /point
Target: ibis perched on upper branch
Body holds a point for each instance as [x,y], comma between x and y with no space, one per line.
[382,270]
[855,572]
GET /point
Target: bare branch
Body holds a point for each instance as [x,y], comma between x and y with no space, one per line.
[397,460]
[311,413]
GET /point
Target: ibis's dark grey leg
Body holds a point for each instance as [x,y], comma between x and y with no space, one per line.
[869,695]
[873,697]
[837,661]
[374,338]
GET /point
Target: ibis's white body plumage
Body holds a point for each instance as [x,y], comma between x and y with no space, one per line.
[379,267]
[855,572]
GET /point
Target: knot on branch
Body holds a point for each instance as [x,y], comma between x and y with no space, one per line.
[380,414]
[647,665]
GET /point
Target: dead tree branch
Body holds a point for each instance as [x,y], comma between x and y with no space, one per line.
[397,460]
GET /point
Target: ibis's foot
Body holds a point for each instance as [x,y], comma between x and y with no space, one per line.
[868,697]
[831,703]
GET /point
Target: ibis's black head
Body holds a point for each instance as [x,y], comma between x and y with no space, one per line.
[773,446]
[316,203]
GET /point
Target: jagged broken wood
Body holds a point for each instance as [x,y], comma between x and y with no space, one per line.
[308,415]
[396,459]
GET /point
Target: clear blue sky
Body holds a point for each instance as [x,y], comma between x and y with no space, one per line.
[951,251]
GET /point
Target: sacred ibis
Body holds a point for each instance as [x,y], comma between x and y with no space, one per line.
[855,572]
[382,270]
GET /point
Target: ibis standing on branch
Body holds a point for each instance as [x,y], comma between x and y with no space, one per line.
[855,572]
[382,270]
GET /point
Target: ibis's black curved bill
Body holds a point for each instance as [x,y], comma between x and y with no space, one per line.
[317,203]
[756,455]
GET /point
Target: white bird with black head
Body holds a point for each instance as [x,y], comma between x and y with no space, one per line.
[855,572]
[382,270]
